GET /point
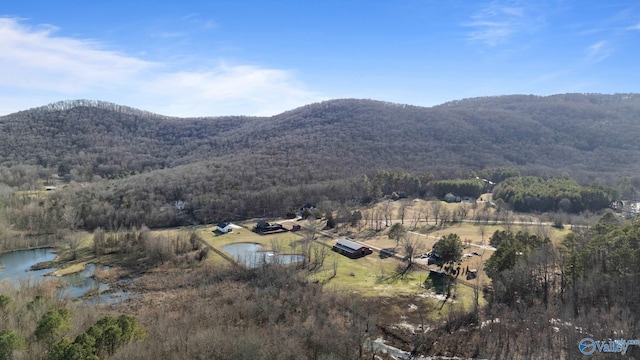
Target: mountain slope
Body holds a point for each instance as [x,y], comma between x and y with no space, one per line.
[581,134]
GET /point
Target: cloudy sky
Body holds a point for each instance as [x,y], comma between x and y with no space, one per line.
[261,57]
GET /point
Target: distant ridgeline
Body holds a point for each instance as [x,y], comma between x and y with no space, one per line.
[590,137]
[98,104]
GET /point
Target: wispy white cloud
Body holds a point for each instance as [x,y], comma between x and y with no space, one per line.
[198,20]
[599,51]
[244,90]
[634,27]
[38,64]
[169,35]
[35,58]
[498,21]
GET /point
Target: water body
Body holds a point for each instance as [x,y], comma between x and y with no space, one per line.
[250,255]
[15,265]
[15,268]
[83,281]
[109,296]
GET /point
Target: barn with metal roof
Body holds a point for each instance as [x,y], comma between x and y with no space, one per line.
[351,249]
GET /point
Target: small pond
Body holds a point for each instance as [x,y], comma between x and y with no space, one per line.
[250,255]
[15,267]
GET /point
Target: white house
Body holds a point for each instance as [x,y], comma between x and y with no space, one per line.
[224,227]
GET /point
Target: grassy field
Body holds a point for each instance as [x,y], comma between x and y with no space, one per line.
[370,276]
[367,276]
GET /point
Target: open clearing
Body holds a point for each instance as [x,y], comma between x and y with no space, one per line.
[372,275]
[368,276]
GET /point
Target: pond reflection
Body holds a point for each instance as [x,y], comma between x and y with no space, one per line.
[15,267]
[250,255]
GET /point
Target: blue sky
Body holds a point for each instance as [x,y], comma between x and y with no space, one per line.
[206,58]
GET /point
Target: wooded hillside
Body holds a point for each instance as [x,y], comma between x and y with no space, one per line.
[588,136]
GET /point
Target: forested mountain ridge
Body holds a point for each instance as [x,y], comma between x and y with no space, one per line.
[105,138]
[584,135]
[579,133]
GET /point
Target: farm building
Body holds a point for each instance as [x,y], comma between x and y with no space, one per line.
[351,249]
[224,227]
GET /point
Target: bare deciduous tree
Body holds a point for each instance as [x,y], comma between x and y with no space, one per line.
[445,216]
[71,218]
[436,210]
[72,240]
[403,211]
[314,225]
[482,229]
[463,210]
[416,219]
[411,246]
[387,211]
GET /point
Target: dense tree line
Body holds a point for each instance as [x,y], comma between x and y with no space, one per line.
[535,194]
[214,191]
[606,255]
[390,183]
[102,339]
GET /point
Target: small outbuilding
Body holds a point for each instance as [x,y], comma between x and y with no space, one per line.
[224,227]
[351,249]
